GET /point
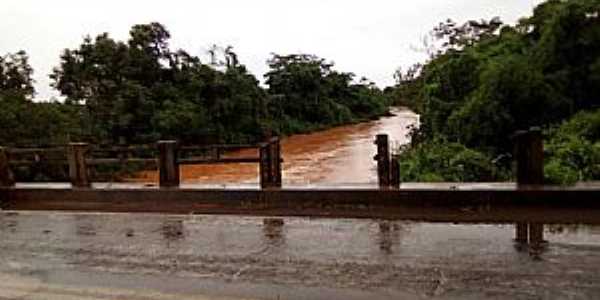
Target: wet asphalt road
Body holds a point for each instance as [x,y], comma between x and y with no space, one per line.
[144,256]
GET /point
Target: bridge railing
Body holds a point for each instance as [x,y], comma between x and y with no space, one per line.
[528,157]
[528,154]
[167,156]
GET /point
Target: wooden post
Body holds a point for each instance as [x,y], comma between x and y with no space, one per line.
[6,177]
[383,160]
[395,172]
[276,162]
[217,153]
[78,171]
[168,168]
[529,156]
[265,165]
[536,233]
[521,233]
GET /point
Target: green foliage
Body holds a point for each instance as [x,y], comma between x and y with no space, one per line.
[573,150]
[557,173]
[306,94]
[487,81]
[15,75]
[140,90]
[511,96]
[27,123]
[444,161]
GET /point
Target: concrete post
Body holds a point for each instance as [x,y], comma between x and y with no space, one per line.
[168,168]
[78,171]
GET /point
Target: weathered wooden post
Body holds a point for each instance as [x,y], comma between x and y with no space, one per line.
[536,233]
[276,162]
[168,168]
[529,157]
[395,171]
[264,168]
[383,160]
[521,233]
[270,164]
[6,177]
[78,171]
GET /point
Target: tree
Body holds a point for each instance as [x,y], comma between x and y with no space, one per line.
[119,82]
[133,90]
[308,93]
[488,80]
[15,75]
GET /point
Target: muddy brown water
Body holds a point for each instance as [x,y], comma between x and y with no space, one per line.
[50,255]
[341,155]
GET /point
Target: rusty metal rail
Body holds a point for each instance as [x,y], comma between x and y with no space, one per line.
[518,205]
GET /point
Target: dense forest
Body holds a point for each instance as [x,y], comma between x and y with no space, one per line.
[140,91]
[485,80]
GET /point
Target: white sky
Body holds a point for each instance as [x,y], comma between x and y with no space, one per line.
[370,38]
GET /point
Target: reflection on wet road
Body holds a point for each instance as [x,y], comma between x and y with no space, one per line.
[297,258]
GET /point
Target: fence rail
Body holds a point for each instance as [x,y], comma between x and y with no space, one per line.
[80,156]
[528,153]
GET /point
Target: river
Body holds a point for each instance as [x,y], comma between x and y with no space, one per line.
[338,156]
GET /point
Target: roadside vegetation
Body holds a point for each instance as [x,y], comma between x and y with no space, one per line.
[485,80]
[141,90]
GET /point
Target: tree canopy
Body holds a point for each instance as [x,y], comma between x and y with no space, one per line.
[141,90]
[488,80]
[15,75]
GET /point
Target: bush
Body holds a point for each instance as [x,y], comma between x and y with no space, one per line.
[443,161]
[572,151]
[557,173]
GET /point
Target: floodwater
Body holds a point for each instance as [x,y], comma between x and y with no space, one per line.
[49,255]
[341,155]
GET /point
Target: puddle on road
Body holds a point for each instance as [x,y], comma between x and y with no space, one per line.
[368,255]
[316,239]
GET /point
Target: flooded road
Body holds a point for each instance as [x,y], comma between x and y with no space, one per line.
[341,155]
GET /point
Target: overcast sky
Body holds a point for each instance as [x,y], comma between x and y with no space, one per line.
[370,38]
